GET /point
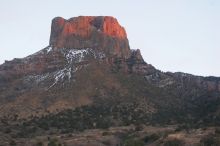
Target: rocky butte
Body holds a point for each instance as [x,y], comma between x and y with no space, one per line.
[90,32]
[76,44]
[101,34]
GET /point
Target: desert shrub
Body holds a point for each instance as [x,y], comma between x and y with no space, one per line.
[210,140]
[174,142]
[12,143]
[217,130]
[39,143]
[53,142]
[133,142]
[106,133]
[139,127]
[151,138]
[7,130]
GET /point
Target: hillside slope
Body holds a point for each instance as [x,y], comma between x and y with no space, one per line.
[89,66]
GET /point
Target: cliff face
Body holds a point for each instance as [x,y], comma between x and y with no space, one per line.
[102,33]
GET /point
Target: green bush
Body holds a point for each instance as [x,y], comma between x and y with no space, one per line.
[106,133]
[151,138]
[139,127]
[39,143]
[12,143]
[53,142]
[210,141]
[133,142]
[217,130]
[174,142]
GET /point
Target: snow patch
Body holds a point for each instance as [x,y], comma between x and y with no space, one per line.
[49,49]
[38,78]
[73,57]
[61,75]
[76,55]
[100,55]
[79,55]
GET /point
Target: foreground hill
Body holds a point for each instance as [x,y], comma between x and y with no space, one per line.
[88,78]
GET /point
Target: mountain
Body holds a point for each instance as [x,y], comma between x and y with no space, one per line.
[88,77]
[52,78]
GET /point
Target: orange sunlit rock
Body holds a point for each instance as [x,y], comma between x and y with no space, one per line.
[100,32]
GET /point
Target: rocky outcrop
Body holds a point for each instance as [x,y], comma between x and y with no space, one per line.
[38,63]
[103,33]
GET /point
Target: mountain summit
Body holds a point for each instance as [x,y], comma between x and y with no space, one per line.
[102,32]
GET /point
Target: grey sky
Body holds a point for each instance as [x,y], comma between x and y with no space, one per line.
[173,35]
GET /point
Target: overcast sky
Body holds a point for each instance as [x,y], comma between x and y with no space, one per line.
[173,35]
